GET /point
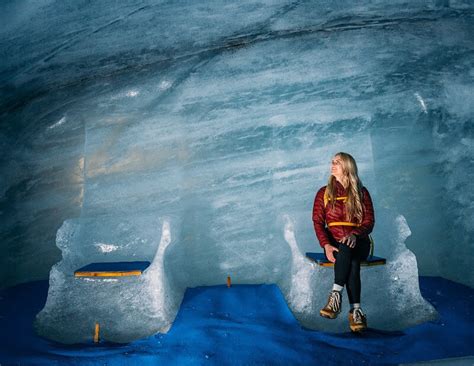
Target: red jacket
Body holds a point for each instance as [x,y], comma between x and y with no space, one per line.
[323,215]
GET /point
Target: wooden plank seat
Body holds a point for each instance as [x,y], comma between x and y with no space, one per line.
[321,260]
[112,269]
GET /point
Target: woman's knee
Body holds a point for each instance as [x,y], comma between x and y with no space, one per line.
[345,250]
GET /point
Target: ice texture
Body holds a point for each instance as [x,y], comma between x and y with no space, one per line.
[221,119]
[129,308]
[126,308]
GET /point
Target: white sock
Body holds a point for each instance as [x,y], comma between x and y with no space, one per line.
[337,287]
[355,306]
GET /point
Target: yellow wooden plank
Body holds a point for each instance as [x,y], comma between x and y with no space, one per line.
[363,264]
[108,274]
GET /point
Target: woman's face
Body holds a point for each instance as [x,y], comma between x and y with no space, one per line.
[336,167]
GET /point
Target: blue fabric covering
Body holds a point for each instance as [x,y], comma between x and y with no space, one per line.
[114,266]
[320,258]
[245,325]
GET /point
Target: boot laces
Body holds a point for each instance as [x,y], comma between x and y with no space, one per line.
[334,300]
[357,315]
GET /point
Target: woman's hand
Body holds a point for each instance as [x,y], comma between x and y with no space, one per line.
[329,251]
[349,240]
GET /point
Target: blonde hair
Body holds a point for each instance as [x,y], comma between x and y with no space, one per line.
[354,207]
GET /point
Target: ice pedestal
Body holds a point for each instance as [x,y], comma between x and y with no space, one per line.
[390,293]
[126,308]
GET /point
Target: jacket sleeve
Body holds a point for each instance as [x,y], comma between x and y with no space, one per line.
[368,221]
[319,220]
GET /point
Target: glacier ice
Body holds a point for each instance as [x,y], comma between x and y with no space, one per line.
[129,308]
[126,308]
[172,100]
[117,118]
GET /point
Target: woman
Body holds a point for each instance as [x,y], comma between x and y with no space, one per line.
[343,218]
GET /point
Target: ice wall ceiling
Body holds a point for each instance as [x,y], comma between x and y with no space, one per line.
[221,118]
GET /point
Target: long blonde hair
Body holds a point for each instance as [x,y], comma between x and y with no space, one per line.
[354,207]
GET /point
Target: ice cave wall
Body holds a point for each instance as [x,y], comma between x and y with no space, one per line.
[224,117]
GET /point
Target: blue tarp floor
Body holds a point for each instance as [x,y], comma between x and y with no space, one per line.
[246,325]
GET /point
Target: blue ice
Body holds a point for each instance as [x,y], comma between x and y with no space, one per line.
[195,136]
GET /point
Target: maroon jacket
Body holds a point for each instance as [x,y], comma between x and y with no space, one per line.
[323,215]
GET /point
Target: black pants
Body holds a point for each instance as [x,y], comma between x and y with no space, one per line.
[347,267]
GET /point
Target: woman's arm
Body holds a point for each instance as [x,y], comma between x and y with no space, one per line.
[319,220]
[368,221]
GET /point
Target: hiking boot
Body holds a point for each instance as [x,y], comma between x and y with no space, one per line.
[357,320]
[333,307]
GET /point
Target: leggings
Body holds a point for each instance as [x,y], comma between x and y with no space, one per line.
[347,267]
